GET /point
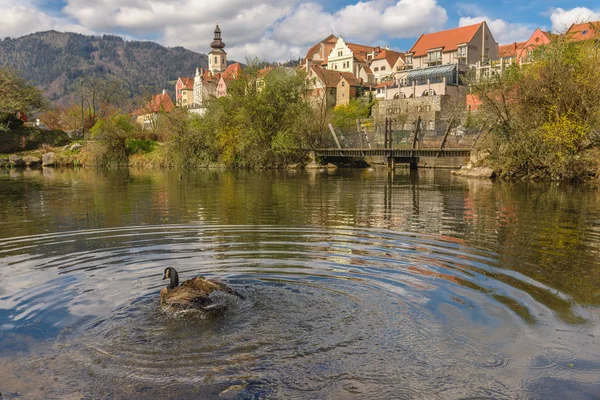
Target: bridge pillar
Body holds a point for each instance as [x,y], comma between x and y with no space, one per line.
[414,163]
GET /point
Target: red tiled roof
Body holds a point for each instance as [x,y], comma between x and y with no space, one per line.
[232,71]
[389,55]
[188,83]
[384,84]
[160,102]
[510,50]
[328,43]
[349,77]
[328,77]
[447,40]
[584,31]
[263,72]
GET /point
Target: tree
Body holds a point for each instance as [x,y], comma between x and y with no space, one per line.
[16,95]
[545,116]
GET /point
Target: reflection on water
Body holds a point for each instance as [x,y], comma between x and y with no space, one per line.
[358,283]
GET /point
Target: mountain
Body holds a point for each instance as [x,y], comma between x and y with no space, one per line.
[54,60]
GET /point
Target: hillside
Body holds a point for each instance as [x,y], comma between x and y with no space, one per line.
[54,60]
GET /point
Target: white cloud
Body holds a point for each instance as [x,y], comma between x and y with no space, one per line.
[272,29]
[504,32]
[21,17]
[562,19]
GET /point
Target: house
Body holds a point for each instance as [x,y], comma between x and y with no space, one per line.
[463,46]
[348,88]
[383,64]
[583,31]
[231,73]
[260,77]
[318,54]
[366,75]
[148,115]
[350,57]
[331,88]
[205,85]
[184,92]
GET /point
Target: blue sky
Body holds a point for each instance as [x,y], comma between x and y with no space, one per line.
[278,30]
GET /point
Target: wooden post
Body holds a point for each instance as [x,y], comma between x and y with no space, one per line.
[416,135]
[445,137]
[385,133]
[337,142]
[390,139]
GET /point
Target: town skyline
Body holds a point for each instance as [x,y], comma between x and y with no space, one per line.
[283,30]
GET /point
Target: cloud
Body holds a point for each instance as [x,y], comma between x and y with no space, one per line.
[504,32]
[562,19]
[272,29]
[20,16]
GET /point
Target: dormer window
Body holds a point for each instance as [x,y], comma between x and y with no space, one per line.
[409,59]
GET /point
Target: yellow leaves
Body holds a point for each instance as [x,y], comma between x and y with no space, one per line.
[564,131]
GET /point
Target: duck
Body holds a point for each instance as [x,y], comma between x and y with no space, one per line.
[192,293]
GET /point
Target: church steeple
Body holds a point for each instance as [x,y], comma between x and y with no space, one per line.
[217,58]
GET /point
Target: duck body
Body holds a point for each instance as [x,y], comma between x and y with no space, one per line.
[192,293]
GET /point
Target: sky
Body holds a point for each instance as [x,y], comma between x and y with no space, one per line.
[280,30]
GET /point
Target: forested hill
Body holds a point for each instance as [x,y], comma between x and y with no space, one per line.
[54,60]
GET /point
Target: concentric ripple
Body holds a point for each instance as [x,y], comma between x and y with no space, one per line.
[331,312]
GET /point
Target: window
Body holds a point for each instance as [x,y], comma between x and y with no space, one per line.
[409,59]
[216,60]
[343,83]
[340,53]
[383,67]
[375,69]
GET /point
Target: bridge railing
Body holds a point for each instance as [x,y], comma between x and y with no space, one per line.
[372,135]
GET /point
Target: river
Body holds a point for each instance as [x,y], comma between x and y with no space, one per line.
[359,284]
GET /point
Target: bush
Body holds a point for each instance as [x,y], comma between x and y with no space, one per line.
[113,133]
[546,115]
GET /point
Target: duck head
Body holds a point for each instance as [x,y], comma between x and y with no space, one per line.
[171,273]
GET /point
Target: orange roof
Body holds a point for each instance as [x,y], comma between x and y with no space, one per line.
[510,50]
[389,55]
[328,44]
[328,77]
[350,78]
[232,71]
[446,40]
[331,78]
[584,31]
[160,102]
[384,84]
[263,72]
[188,83]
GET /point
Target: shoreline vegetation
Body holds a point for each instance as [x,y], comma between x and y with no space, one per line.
[542,118]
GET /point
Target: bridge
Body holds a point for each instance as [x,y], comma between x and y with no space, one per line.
[393,156]
[407,153]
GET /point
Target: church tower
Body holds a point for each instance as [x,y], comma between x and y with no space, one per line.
[217,58]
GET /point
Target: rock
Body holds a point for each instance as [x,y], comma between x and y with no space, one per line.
[313,165]
[476,172]
[293,166]
[76,147]
[74,134]
[65,148]
[30,160]
[16,160]
[477,158]
[330,166]
[4,162]
[49,159]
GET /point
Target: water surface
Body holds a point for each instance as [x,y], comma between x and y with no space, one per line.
[359,284]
